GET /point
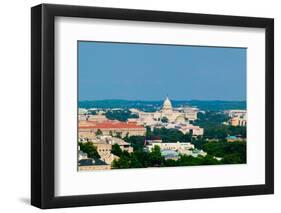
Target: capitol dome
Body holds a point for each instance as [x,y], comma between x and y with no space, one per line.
[167,105]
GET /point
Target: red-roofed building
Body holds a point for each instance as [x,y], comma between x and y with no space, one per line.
[88,129]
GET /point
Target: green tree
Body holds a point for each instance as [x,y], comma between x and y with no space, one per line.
[199,142]
[120,115]
[234,158]
[188,161]
[148,132]
[170,163]
[90,149]
[170,135]
[122,163]
[116,150]
[234,152]
[164,120]
[135,161]
[208,160]
[118,135]
[155,157]
[212,122]
[137,142]
[99,132]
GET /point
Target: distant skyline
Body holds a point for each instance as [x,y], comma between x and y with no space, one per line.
[128,71]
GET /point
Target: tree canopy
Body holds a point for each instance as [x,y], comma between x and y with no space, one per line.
[212,122]
[99,132]
[169,135]
[90,149]
[120,115]
[116,150]
[231,152]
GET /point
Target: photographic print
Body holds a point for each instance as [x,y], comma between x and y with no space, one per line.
[160,105]
[144,95]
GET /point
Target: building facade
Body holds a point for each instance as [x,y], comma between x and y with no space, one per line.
[89,129]
[180,147]
[178,115]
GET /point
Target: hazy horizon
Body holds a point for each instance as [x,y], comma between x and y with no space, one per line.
[162,100]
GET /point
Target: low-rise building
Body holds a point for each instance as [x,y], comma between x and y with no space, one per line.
[236,113]
[176,115]
[170,154]
[122,144]
[82,155]
[234,139]
[198,152]
[237,117]
[192,129]
[104,150]
[174,150]
[238,121]
[82,111]
[97,118]
[180,147]
[190,113]
[104,144]
[113,128]
[92,164]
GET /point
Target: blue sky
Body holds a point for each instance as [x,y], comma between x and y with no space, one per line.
[150,72]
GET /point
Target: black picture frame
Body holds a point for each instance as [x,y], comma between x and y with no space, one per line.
[43,110]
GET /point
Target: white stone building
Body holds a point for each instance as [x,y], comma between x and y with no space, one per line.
[181,147]
[180,115]
[236,113]
[192,129]
[170,118]
[237,117]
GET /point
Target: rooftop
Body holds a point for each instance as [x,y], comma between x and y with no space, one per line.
[231,137]
[91,162]
[110,125]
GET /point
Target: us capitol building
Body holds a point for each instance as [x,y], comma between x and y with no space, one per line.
[174,118]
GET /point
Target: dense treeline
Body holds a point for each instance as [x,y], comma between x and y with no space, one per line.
[137,142]
[210,118]
[155,105]
[168,135]
[232,153]
[141,159]
[120,115]
[222,131]
[212,122]
[90,149]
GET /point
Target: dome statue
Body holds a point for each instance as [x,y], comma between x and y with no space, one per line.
[167,105]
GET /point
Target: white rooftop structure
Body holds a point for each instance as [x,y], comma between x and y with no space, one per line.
[167,105]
